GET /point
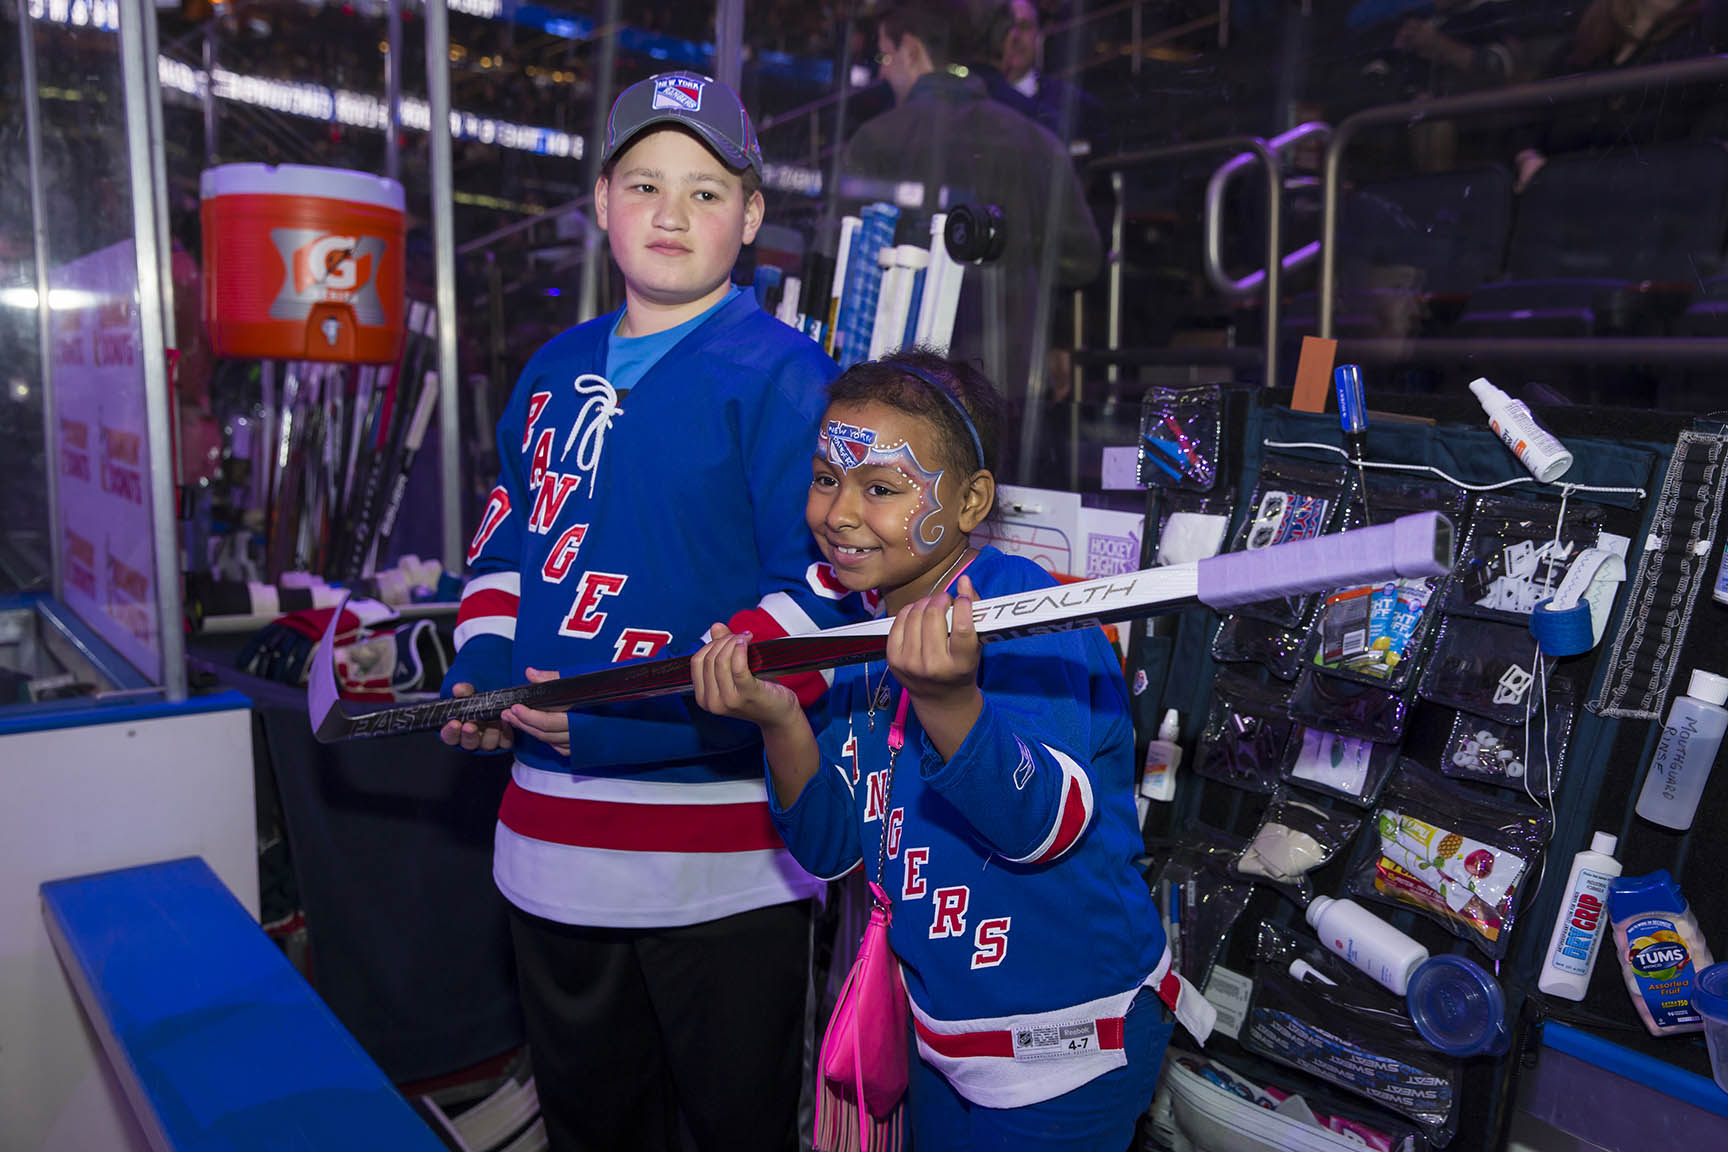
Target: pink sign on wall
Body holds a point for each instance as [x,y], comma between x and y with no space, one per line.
[102,454]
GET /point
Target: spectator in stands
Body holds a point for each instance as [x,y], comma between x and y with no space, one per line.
[1014,44]
[948,135]
[1624,34]
[1457,46]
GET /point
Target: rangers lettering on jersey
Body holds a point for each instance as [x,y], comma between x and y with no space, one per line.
[555,488]
[948,916]
[877,802]
[562,557]
[583,620]
[990,942]
[497,508]
[536,405]
[639,644]
[914,884]
[541,463]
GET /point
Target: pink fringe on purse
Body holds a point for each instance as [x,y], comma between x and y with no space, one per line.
[863,1064]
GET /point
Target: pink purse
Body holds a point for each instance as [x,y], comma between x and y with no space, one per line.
[864,1052]
[862,1068]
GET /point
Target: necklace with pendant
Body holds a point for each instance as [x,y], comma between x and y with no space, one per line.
[878,698]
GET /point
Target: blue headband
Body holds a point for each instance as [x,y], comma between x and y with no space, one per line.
[937,387]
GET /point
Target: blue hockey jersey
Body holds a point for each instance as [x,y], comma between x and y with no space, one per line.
[1022,926]
[622,527]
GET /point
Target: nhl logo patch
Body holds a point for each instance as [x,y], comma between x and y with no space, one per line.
[848,446]
[679,93]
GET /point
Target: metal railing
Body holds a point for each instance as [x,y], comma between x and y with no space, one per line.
[1113,356]
[1568,89]
[1216,189]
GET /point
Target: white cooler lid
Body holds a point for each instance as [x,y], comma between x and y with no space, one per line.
[300,180]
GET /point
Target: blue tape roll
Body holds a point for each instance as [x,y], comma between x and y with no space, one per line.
[1563,632]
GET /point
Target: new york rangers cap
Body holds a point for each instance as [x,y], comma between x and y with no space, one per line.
[689,100]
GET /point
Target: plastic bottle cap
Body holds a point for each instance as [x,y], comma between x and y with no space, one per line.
[1710,991]
[1172,726]
[1605,843]
[1485,390]
[1708,687]
[1458,1007]
[1652,892]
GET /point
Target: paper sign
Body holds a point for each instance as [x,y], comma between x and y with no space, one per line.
[102,454]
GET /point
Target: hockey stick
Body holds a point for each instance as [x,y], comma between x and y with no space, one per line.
[1417,545]
[418,423]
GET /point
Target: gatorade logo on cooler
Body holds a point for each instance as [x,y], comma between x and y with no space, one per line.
[321,267]
[678,92]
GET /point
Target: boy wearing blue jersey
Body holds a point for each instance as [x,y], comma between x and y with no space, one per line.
[995,785]
[652,459]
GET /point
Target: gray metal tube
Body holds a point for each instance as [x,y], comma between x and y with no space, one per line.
[729,42]
[1061,179]
[831,179]
[593,240]
[444,279]
[393,92]
[39,243]
[139,84]
[1705,69]
[206,97]
[159,177]
[1118,230]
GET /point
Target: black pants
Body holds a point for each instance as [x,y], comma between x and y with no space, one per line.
[630,1027]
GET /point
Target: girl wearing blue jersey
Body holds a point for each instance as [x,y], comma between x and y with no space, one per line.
[995,784]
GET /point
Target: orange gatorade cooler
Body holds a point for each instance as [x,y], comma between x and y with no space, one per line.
[302,263]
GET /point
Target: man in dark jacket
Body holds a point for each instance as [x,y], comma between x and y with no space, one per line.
[946,134]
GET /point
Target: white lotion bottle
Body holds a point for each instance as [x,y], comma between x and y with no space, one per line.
[1366,941]
[1158,779]
[1681,766]
[1533,444]
[1582,922]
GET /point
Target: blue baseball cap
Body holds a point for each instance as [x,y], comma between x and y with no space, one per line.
[690,100]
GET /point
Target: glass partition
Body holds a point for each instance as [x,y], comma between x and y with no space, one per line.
[26,562]
[1554,243]
[99,428]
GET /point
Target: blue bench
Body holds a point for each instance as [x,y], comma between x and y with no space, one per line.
[216,1039]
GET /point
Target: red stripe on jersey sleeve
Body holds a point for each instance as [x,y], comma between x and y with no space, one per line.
[760,623]
[487,602]
[1070,822]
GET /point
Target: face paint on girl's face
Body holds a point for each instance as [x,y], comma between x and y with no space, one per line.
[849,446]
[903,460]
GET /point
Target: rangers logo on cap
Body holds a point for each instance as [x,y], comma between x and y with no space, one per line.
[679,93]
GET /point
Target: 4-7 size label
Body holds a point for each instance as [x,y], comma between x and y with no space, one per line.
[1055,1041]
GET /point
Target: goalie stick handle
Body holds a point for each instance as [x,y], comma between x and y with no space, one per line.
[1413,546]
[1409,546]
